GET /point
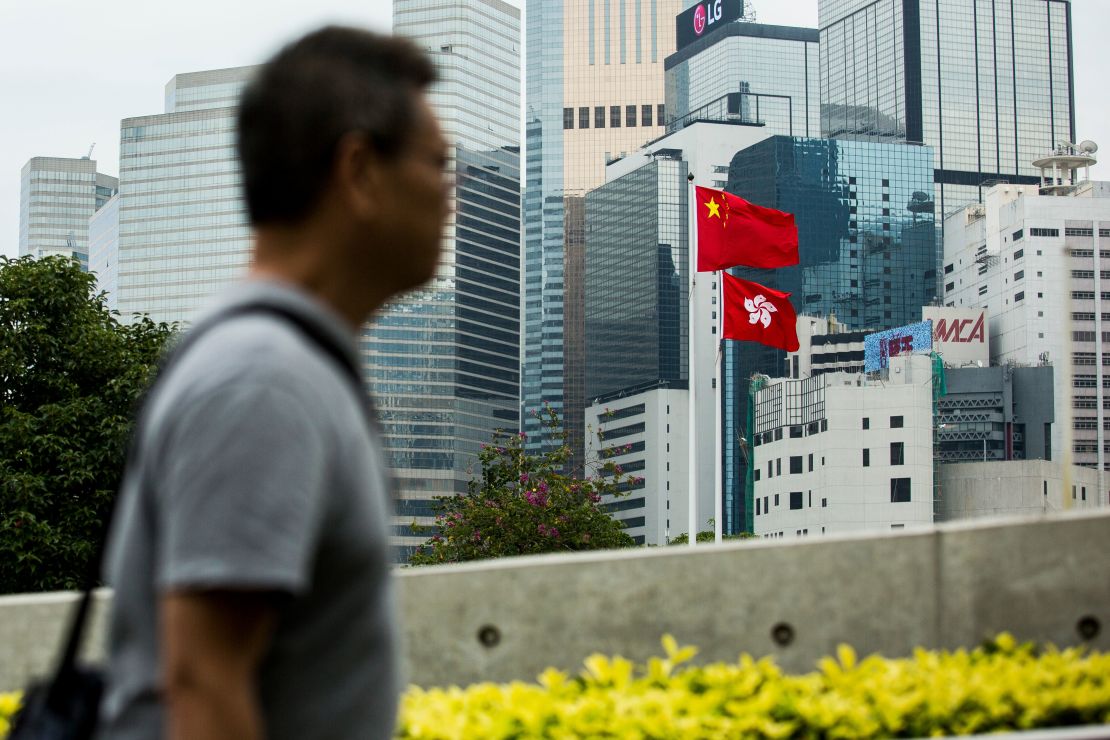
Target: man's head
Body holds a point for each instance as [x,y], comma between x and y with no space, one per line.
[337,124]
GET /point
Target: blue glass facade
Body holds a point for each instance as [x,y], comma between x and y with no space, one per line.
[987,83]
[636,281]
[867,242]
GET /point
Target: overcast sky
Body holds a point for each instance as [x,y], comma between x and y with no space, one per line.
[71,69]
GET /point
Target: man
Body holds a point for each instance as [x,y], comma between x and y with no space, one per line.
[249,554]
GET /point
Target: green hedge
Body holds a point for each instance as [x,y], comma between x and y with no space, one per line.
[998,687]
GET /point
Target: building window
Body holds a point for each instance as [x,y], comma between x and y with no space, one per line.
[866,457]
[630,116]
[811,462]
[599,116]
[795,464]
[645,115]
[796,431]
[659,111]
[896,422]
[982,290]
[795,499]
[1044,232]
[809,499]
[614,116]
[866,423]
[758,508]
[899,490]
[1079,232]
[1018,254]
[583,118]
[949,287]
[1020,274]
[897,453]
[776,499]
[568,117]
[1083,274]
[1017,235]
[948,269]
[778,466]
[770,469]
[1019,296]
[756,473]
[765,509]
[824,503]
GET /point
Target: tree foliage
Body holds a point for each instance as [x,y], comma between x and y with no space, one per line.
[70,375]
[524,503]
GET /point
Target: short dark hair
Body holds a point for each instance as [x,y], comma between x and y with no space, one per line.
[307,97]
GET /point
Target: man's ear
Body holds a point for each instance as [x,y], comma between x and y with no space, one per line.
[357,174]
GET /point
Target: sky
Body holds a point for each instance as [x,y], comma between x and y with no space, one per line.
[71,69]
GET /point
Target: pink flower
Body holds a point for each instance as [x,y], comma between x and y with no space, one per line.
[523,477]
[542,486]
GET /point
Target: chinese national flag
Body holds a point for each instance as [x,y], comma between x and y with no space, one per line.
[756,313]
[732,231]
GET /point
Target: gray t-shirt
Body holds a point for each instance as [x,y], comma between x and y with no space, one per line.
[257,471]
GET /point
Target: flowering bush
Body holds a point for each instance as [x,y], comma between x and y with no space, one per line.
[525,503]
[999,687]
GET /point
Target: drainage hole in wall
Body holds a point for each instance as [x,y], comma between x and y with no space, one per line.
[783,634]
[1088,627]
[489,636]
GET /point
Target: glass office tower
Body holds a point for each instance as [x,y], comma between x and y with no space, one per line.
[595,91]
[444,361]
[183,229]
[104,249]
[636,281]
[748,72]
[58,196]
[987,83]
[866,241]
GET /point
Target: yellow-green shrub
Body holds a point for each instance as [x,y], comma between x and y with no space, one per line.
[1000,686]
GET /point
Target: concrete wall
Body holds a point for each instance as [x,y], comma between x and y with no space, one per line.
[1042,579]
[1015,488]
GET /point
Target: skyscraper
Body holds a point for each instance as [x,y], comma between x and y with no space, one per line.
[444,360]
[183,230]
[58,195]
[104,249]
[987,83]
[595,91]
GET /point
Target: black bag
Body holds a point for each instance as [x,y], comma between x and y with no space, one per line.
[67,706]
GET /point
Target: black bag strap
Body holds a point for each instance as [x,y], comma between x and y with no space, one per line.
[66,669]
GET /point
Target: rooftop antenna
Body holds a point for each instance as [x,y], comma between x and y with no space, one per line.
[89,155]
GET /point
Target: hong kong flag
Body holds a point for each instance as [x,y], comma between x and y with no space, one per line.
[756,313]
[732,231]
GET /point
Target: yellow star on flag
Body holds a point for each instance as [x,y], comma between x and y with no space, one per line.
[714,208]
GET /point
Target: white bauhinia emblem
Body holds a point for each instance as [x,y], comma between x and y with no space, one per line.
[759,310]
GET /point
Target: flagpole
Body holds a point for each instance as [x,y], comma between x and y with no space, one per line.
[692,483]
[718,462]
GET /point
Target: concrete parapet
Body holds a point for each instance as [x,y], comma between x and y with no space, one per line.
[1044,579]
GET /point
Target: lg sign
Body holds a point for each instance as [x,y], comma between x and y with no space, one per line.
[705,16]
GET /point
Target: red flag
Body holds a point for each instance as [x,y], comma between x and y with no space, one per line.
[732,231]
[756,313]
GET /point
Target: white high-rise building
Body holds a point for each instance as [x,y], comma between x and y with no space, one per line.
[104,249]
[183,230]
[1038,260]
[58,196]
